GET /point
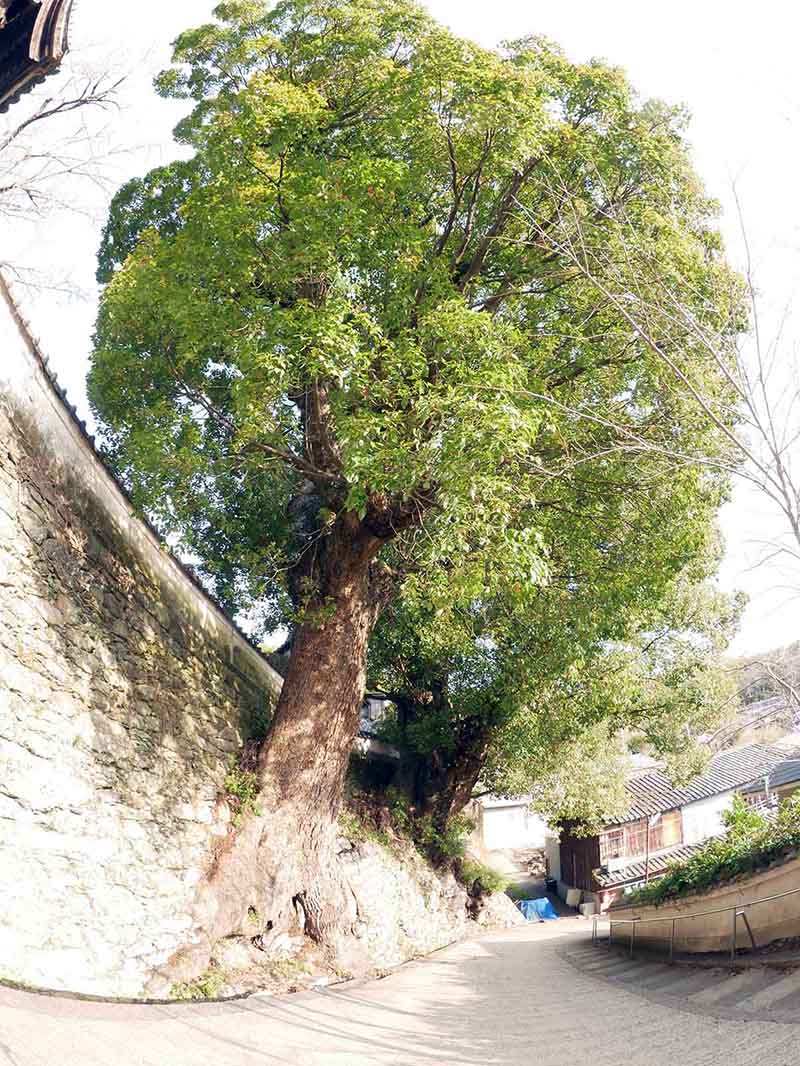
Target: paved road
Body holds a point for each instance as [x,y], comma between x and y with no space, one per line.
[510,998]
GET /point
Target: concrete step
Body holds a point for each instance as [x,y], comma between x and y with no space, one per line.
[589,951]
[688,983]
[731,989]
[780,987]
[758,992]
[787,1008]
[661,977]
[621,970]
[636,974]
[605,960]
[612,965]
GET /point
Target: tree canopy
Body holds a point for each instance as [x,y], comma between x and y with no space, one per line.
[345,352]
[340,296]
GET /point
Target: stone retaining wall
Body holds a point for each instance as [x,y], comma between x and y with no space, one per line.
[125,696]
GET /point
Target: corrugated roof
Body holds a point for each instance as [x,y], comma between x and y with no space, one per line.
[636,871]
[653,792]
[785,773]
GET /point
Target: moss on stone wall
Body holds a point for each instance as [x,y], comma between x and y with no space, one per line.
[122,713]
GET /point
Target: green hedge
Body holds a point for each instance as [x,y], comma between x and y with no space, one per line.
[752,843]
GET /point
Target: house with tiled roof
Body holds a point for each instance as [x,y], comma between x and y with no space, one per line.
[663,823]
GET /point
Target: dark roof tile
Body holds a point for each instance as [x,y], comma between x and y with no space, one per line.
[635,871]
[785,773]
[34,36]
[653,792]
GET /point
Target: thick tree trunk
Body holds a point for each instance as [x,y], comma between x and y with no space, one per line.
[282,862]
[440,783]
[446,779]
[318,711]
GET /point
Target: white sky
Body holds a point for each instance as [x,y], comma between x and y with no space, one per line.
[734,65]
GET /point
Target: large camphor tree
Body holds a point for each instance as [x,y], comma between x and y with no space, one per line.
[335,354]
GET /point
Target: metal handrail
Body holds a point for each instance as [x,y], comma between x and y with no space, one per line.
[736,912]
[703,914]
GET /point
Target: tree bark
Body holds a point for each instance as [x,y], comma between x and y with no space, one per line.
[318,711]
[282,862]
[447,779]
[440,782]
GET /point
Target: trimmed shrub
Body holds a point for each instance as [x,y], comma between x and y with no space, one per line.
[480,878]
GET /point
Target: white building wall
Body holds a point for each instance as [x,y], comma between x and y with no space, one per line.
[552,851]
[703,819]
[512,826]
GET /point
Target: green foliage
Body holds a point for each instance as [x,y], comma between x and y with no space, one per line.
[555,693]
[286,969]
[515,892]
[752,844]
[400,809]
[364,817]
[209,986]
[152,201]
[351,322]
[741,821]
[446,844]
[258,718]
[337,315]
[581,780]
[658,681]
[481,878]
[241,788]
[352,826]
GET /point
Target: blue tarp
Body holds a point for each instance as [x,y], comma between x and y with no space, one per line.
[537,910]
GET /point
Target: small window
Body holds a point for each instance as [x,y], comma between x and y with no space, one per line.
[612,845]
